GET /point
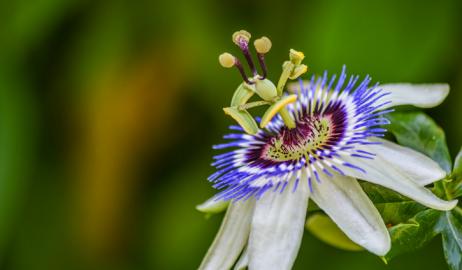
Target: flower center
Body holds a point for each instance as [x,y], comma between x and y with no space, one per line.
[313,135]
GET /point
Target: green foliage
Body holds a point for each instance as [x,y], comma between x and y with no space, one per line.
[414,233]
[450,227]
[455,186]
[393,207]
[418,131]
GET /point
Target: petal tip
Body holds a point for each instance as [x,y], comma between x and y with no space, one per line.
[446,205]
[452,204]
[212,206]
[379,245]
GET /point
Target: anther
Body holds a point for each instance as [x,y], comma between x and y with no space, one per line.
[262,46]
[227,60]
[241,39]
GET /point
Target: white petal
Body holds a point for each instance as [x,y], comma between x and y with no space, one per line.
[420,95]
[243,262]
[343,199]
[231,237]
[213,206]
[277,228]
[417,166]
[385,174]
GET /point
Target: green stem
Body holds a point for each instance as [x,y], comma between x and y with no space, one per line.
[286,70]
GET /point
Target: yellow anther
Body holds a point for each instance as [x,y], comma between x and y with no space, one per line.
[226,60]
[241,35]
[296,57]
[262,45]
[279,107]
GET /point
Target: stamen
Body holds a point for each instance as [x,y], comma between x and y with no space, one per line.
[261,60]
[262,46]
[227,60]
[238,64]
[241,39]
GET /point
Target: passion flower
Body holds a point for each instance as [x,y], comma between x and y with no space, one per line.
[314,146]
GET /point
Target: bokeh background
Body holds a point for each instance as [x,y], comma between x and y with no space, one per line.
[108,110]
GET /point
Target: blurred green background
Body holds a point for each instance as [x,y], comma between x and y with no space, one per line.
[108,110]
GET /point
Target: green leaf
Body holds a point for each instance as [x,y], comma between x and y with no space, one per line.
[454,188]
[413,234]
[418,131]
[398,212]
[457,170]
[451,230]
[411,225]
[321,226]
[394,207]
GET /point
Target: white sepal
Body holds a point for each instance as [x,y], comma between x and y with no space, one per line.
[385,174]
[419,95]
[243,261]
[344,201]
[417,166]
[231,237]
[277,228]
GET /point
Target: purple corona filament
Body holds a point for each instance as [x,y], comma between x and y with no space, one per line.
[332,119]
